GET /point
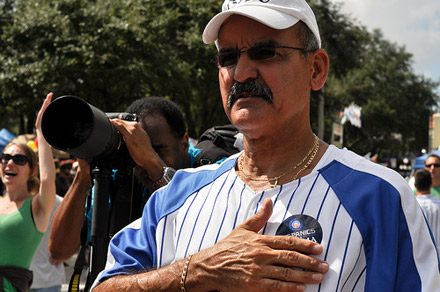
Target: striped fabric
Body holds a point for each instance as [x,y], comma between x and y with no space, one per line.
[373,232]
[431,208]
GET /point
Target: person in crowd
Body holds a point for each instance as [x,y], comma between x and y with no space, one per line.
[64,177]
[158,144]
[432,164]
[290,212]
[429,203]
[26,206]
[49,274]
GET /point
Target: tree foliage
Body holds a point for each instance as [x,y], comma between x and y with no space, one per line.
[113,52]
[396,103]
[377,75]
[109,53]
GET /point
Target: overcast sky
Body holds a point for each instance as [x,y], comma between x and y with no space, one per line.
[409,23]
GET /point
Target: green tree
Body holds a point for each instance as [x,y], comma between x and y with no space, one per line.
[112,52]
[109,53]
[396,103]
[377,75]
[344,41]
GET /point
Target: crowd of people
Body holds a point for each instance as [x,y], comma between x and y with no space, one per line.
[157,155]
[287,212]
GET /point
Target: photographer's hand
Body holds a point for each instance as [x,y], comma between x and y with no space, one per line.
[141,151]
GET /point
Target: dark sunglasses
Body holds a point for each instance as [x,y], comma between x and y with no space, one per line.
[18,159]
[436,165]
[258,53]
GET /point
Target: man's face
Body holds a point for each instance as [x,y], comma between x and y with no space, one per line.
[173,151]
[432,164]
[286,75]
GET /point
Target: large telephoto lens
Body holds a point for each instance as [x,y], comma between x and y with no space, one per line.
[72,125]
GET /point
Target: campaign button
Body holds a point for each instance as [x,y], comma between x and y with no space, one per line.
[302,226]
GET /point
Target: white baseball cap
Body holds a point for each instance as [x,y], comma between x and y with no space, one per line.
[277,14]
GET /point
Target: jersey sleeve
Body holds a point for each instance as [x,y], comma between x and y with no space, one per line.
[400,252]
[132,250]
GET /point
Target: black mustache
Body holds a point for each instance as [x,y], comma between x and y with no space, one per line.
[250,87]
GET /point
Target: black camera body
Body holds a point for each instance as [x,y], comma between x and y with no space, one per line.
[72,125]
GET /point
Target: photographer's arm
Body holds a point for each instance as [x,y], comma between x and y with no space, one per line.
[149,164]
[65,233]
[243,261]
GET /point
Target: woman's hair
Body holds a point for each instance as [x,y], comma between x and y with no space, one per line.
[33,183]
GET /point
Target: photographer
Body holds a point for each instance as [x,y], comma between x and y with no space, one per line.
[158,141]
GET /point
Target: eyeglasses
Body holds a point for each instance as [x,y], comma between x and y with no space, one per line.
[436,165]
[18,159]
[258,53]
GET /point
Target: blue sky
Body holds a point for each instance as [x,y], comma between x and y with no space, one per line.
[409,23]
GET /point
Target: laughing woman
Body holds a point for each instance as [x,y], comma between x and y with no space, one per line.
[25,207]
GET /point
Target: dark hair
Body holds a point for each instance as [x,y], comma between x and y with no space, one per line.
[33,183]
[422,180]
[433,155]
[153,106]
[308,39]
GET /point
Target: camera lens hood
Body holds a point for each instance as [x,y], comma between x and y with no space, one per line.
[72,125]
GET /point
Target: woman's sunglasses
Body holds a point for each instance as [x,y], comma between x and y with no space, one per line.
[258,53]
[18,159]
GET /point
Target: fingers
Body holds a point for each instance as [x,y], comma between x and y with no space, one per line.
[288,258]
[138,143]
[83,167]
[49,96]
[45,104]
[295,275]
[293,243]
[124,127]
[256,222]
[118,124]
[131,132]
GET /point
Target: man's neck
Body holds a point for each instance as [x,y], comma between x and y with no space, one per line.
[422,193]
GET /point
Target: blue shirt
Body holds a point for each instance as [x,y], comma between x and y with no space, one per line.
[374,235]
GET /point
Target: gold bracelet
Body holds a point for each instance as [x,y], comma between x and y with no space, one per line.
[184,273]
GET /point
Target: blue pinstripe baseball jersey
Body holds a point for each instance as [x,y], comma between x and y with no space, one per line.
[374,235]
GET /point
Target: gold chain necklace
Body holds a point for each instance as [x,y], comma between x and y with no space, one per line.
[308,162]
[275,179]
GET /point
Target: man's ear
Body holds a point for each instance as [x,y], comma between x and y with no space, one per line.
[320,64]
[185,142]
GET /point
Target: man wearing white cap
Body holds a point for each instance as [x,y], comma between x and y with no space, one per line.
[288,213]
